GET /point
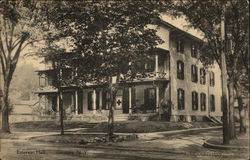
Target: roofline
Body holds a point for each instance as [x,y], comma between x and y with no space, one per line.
[182,31]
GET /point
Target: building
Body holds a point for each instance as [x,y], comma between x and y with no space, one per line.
[175,81]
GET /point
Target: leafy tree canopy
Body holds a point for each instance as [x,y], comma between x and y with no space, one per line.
[107,38]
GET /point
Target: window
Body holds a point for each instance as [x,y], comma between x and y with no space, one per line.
[202,76]
[194,51]
[194,100]
[193,118]
[147,65]
[180,70]
[90,101]
[180,46]
[181,99]
[194,75]
[97,100]
[203,102]
[104,100]
[212,80]
[212,103]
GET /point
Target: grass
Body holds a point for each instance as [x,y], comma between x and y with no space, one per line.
[46,126]
[147,126]
[119,127]
[83,138]
[67,138]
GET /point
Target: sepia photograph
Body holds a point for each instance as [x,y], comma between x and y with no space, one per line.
[124,80]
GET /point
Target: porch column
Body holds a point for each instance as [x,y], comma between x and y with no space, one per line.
[156,65]
[94,101]
[130,100]
[76,102]
[157,99]
[57,104]
[100,100]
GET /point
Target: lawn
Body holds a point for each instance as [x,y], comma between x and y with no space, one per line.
[147,126]
[119,127]
[83,138]
[47,126]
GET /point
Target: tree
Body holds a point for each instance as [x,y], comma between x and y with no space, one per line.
[12,43]
[18,31]
[207,16]
[107,39]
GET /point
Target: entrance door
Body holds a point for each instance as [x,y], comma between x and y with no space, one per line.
[118,102]
[125,101]
[150,98]
[54,103]
[80,102]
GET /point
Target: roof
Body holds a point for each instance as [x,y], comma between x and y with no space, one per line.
[174,28]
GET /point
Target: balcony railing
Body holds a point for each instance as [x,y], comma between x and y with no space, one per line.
[46,89]
[152,76]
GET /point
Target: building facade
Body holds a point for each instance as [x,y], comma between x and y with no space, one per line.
[174,84]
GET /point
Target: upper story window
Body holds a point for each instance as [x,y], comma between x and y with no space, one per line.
[194,73]
[180,46]
[212,78]
[180,70]
[194,100]
[67,73]
[202,76]
[203,102]
[147,65]
[212,103]
[181,99]
[194,51]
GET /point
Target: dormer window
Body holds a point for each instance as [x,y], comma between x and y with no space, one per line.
[180,46]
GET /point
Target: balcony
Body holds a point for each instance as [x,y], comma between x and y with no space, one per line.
[46,89]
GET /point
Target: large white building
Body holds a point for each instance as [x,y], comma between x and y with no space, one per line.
[175,81]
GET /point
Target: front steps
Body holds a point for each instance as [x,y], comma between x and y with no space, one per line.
[214,120]
[121,117]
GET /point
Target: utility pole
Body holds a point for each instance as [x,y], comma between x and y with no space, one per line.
[226,131]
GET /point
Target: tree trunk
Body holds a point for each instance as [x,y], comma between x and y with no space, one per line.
[112,90]
[61,111]
[231,111]
[226,131]
[112,95]
[226,135]
[5,110]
